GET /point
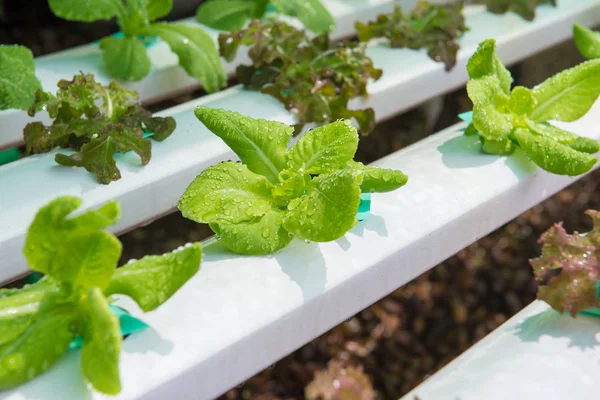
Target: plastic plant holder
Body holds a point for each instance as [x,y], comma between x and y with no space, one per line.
[466,117]
[128,323]
[364,208]
[8,156]
[593,312]
[148,41]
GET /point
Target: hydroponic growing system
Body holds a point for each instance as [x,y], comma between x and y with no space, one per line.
[305,236]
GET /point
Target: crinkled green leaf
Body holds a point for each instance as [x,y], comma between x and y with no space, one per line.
[40,345]
[89,260]
[488,100]
[587,41]
[379,180]
[328,210]
[52,229]
[435,27]
[500,146]
[196,51]
[154,279]
[226,192]
[85,10]
[525,8]
[260,144]
[522,101]
[324,149]
[568,268]
[17,312]
[125,58]
[18,82]
[553,156]
[485,62]
[568,95]
[291,184]
[258,236]
[570,139]
[158,8]
[160,127]
[312,13]
[97,155]
[313,78]
[226,15]
[101,343]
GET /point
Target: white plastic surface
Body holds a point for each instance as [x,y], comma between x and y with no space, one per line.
[239,315]
[150,191]
[166,78]
[538,354]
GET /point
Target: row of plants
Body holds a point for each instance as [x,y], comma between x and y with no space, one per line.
[429,26]
[257,206]
[311,190]
[314,78]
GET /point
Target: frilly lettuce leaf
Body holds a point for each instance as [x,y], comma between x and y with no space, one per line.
[435,27]
[568,268]
[525,8]
[97,121]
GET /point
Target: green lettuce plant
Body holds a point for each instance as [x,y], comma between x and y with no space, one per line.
[506,119]
[435,27]
[228,15]
[310,191]
[314,78]
[97,121]
[18,82]
[587,41]
[569,268]
[126,58]
[78,257]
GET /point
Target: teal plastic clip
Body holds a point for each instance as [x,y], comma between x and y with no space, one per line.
[466,117]
[364,208]
[8,156]
[129,324]
[593,312]
[148,41]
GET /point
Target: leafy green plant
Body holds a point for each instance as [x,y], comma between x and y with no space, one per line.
[78,258]
[18,82]
[311,190]
[314,78]
[587,41]
[97,121]
[506,119]
[525,8]
[569,267]
[126,58]
[228,15]
[435,27]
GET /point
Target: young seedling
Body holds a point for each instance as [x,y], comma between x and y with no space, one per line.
[506,119]
[314,78]
[569,267]
[435,27]
[18,82]
[310,191]
[228,15]
[78,257]
[525,8]
[126,58]
[587,41]
[97,121]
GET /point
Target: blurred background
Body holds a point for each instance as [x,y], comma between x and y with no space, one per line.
[395,344]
